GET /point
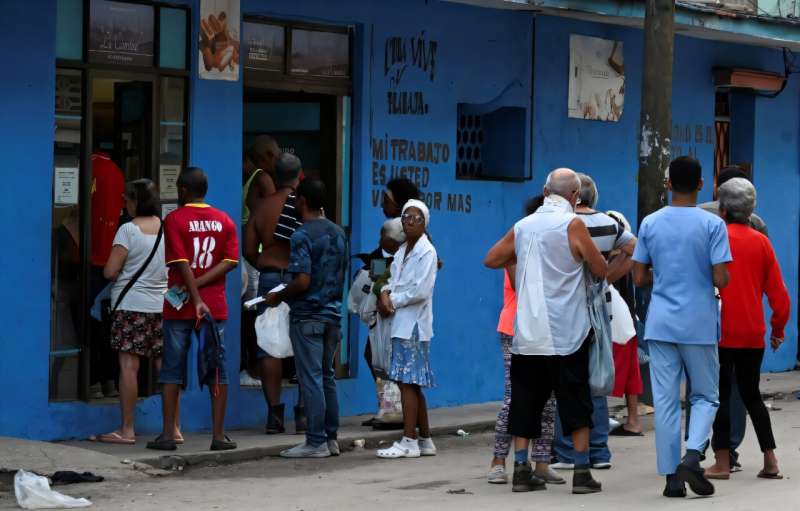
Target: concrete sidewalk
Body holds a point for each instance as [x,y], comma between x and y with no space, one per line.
[254,444]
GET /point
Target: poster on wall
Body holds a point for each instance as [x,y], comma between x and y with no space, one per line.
[168,181]
[219,40]
[596,79]
[65,186]
[121,33]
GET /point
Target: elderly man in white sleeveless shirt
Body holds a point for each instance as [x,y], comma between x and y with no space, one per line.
[552,249]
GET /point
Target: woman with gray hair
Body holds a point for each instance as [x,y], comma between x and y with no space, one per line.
[754,273]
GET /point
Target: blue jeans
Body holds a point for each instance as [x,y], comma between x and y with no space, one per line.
[598,436]
[175,355]
[314,344]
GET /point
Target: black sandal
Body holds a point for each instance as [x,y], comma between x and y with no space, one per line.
[621,431]
[162,443]
[223,445]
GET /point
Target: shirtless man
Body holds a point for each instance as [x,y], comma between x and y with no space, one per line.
[258,172]
[271,225]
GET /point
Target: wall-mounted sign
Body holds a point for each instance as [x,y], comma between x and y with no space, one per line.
[65,186]
[168,181]
[121,33]
[318,53]
[166,209]
[265,46]
[596,79]
[219,40]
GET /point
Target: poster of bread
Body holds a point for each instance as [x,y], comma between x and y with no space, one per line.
[219,40]
[596,79]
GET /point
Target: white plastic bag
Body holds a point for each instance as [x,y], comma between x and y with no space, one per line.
[361,287]
[380,340]
[622,327]
[33,492]
[272,331]
[390,408]
[601,357]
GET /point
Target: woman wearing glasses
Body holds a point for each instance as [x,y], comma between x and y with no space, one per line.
[408,300]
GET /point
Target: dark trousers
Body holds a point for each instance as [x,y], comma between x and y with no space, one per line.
[104,362]
[746,364]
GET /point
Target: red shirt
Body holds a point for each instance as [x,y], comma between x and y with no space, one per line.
[203,237]
[754,272]
[108,187]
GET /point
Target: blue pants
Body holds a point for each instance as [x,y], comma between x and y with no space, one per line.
[598,436]
[314,344]
[667,364]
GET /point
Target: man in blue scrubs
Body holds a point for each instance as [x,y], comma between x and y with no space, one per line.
[683,251]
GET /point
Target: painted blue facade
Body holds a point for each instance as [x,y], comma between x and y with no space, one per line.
[481,57]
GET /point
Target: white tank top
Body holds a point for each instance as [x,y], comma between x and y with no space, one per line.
[552,315]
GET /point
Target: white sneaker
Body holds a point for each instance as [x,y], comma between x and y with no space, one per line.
[307,451]
[562,466]
[605,465]
[497,475]
[426,447]
[405,448]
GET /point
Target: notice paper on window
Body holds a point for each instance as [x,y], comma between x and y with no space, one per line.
[168,181]
[166,209]
[65,186]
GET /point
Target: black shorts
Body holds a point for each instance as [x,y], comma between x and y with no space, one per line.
[535,377]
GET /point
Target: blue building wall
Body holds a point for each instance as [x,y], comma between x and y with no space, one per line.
[480,56]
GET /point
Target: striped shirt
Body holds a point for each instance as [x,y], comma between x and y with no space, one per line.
[606,232]
[289,221]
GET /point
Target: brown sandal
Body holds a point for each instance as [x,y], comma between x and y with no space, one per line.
[767,475]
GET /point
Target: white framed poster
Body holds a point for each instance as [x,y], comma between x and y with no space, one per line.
[168,181]
[596,79]
[66,186]
[219,40]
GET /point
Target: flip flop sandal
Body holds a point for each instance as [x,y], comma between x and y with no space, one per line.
[162,444]
[179,440]
[718,477]
[397,451]
[115,438]
[621,431]
[767,475]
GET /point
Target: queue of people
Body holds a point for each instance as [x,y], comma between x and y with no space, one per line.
[707,269]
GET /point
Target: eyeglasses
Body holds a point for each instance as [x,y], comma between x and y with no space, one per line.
[412,219]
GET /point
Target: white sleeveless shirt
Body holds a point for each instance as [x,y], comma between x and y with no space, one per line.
[552,315]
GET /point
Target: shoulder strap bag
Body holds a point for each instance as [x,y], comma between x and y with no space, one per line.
[141,270]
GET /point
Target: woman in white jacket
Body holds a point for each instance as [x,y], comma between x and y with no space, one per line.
[408,300]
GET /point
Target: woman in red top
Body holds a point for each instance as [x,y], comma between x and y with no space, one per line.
[754,272]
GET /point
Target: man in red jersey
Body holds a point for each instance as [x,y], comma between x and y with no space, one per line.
[201,248]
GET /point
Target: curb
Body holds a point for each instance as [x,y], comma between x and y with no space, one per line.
[372,439]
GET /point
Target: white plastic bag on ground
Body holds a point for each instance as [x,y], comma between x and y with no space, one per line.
[33,492]
[622,327]
[390,409]
[272,330]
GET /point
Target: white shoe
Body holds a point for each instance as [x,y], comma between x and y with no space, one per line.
[426,447]
[562,466]
[605,465]
[497,475]
[405,448]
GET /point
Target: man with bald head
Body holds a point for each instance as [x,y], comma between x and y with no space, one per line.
[550,351]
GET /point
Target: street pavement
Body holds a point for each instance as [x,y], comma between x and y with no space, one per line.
[455,479]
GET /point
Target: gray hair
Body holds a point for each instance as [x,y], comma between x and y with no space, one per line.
[393,228]
[563,182]
[588,196]
[737,197]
